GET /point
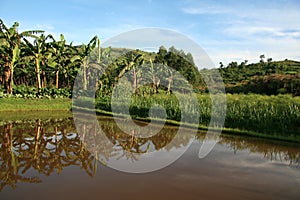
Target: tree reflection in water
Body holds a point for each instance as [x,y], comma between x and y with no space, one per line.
[116,144]
[48,146]
[272,150]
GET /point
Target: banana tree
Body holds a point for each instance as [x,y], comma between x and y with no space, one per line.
[10,42]
[84,52]
[63,56]
[38,52]
[154,70]
[130,63]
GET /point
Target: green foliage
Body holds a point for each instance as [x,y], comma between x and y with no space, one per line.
[271,78]
[42,63]
[265,114]
[272,115]
[181,62]
[22,91]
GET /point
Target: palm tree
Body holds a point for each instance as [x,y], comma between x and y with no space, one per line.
[10,44]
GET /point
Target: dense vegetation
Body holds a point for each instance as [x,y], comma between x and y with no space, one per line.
[48,67]
[280,77]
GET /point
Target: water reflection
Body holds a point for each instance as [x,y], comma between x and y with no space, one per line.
[44,146]
[129,151]
[272,150]
[49,146]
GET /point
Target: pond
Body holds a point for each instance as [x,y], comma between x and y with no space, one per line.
[43,156]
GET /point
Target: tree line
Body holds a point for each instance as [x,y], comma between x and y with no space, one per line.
[32,59]
[45,62]
[36,63]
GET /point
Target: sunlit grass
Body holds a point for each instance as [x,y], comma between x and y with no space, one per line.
[255,113]
[20,104]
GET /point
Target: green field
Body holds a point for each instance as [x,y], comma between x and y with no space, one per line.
[21,104]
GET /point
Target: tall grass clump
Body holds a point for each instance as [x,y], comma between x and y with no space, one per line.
[272,115]
[264,114]
[139,106]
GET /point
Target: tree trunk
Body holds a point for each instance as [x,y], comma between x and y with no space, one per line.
[11,84]
[38,76]
[7,77]
[84,75]
[44,79]
[134,82]
[56,79]
[170,79]
[154,84]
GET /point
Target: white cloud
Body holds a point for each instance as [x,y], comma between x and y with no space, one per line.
[47,27]
[253,32]
[205,10]
[278,49]
[244,31]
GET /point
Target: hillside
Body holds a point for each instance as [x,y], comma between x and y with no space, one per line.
[278,77]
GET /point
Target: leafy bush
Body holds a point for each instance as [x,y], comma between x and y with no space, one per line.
[22,91]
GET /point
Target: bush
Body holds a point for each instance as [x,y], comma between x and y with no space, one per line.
[23,91]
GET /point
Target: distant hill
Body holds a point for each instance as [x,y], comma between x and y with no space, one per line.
[263,77]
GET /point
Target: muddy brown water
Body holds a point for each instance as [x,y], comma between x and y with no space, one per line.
[45,158]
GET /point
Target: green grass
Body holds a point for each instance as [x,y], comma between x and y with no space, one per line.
[20,104]
[251,114]
[230,131]
[264,114]
[19,116]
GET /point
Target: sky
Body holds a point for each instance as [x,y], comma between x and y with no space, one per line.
[227,30]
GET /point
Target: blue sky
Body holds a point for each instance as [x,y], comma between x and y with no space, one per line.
[227,30]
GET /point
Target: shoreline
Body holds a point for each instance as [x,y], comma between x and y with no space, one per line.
[56,106]
[227,131]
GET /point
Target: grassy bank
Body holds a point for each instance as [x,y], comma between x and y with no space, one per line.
[42,104]
[295,138]
[259,113]
[256,115]
[262,116]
